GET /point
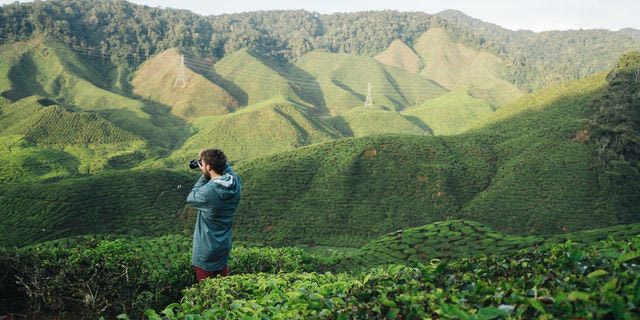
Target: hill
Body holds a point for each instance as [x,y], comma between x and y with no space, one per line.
[122,202]
[272,126]
[40,68]
[456,239]
[530,174]
[251,77]
[156,79]
[401,56]
[450,113]
[56,125]
[344,79]
[454,65]
[361,121]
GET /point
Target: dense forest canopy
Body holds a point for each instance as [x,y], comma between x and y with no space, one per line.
[131,32]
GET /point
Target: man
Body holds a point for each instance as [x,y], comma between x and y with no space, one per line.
[216,196]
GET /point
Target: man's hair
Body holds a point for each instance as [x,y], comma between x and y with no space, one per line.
[215,158]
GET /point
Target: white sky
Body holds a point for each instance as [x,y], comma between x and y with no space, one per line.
[537,15]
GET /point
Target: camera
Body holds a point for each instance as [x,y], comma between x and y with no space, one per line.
[193,164]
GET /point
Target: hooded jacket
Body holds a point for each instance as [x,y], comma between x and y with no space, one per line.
[216,200]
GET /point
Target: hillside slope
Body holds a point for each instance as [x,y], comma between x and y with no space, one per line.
[454,65]
[401,56]
[528,174]
[251,78]
[344,78]
[36,67]
[450,113]
[56,125]
[361,121]
[272,126]
[127,202]
[156,79]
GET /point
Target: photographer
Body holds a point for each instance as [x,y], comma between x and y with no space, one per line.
[216,196]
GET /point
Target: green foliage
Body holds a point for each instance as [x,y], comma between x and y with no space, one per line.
[93,276]
[101,278]
[455,239]
[63,77]
[615,129]
[553,281]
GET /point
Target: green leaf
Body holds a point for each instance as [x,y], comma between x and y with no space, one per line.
[578,295]
[491,313]
[628,256]
[537,305]
[151,314]
[597,273]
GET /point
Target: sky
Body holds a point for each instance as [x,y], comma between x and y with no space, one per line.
[536,15]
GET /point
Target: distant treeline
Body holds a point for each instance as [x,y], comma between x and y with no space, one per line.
[131,32]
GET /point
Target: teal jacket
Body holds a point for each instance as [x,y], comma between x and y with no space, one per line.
[216,200]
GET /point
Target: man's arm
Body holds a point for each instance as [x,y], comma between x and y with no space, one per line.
[197,197]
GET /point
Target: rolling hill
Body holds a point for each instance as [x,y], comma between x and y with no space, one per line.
[525,174]
[454,65]
[401,56]
[54,124]
[272,126]
[451,113]
[38,67]
[156,79]
[343,80]
[363,121]
[251,78]
[122,202]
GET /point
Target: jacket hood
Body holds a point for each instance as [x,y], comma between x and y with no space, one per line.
[228,184]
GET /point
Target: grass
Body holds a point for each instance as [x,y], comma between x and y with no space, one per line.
[156,78]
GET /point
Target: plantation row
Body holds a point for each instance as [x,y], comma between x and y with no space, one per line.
[135,203]
[564,280]
[131,274]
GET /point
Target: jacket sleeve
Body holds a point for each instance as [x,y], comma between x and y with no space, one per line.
[197,197]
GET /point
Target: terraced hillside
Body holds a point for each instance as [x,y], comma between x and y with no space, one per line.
[401,56]
[37,67]
[53,124]
[343,80]
[530,173]
[157,80]
[272,126]
[451,113]
[456,239]
[127,202]
[251,77]
[364,121]
[454,65]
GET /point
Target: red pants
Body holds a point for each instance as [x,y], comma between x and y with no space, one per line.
[202,274]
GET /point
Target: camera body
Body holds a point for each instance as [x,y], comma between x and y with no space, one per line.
[193,164]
